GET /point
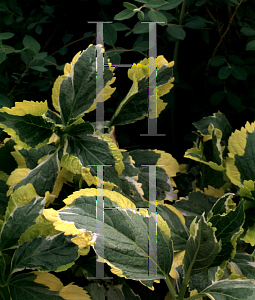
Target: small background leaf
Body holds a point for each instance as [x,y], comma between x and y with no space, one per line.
[176,32]
[224,72]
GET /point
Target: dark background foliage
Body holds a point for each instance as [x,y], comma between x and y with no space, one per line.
[61,30]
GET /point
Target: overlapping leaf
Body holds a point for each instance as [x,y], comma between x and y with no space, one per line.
[23,208]
[176,223]
[87,151]
[131,259]
[75,92]
[217,155]
[26,124]
[45,253]
[195,205]
[135,105]
[166,169]
[202,247]
[42,285]
[43,177]
[229,228]
[240,164]
[230,290]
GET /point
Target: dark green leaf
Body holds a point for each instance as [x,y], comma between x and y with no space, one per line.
[35,254]
[30,26]
[250,46]
[179,231]
[128,33]
[235,59]
[195,23]
[78,93]
[233,99]
[218,60]
[196,204]
[89,150]
[217,97]
[224,72]
[4,101]
[67,38]
[142,46]
[45,172]
[6,35]
[123,15]
[169,16]
[110,34]
[9,20]
[22,286]
[245,262]
[43,19]
[25,57]
[140,15]
[63,50]
[202,247]
[38,29]
[176,31]
[2,56]
[22,218]
[141,28]
[33,46]
[171,5]
[129,6]
[156,16]
[247,31]
[40,55]
[120,26]
[228,228]
[155,3]
[115,58]
[219,121]
[39,69]
[239,73]
[31,130]
[19,19]
[230,290]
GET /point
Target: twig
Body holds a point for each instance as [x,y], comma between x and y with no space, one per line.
[221,39]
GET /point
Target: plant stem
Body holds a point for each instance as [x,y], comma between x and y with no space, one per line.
[195,297]
[170,287]
[187,278]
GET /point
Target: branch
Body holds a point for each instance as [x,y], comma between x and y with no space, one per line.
[221,39]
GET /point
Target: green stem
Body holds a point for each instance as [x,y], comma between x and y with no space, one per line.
[170,287]
[176,47]
[195,297]
[187,278]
